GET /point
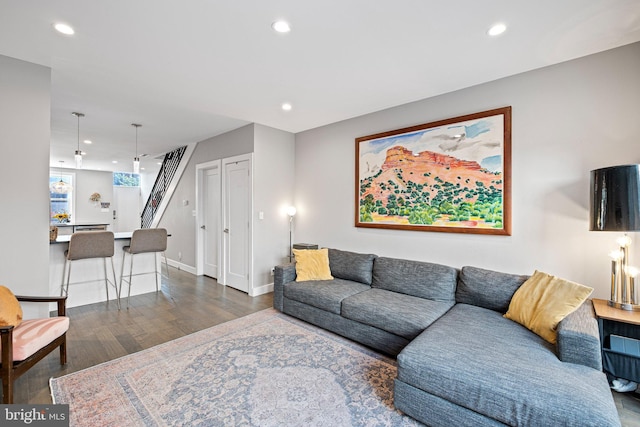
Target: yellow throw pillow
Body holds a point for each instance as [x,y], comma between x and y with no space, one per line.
[543,301]
[10,309]
[312,264]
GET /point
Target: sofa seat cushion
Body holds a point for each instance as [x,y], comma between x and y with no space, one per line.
[399,314]
[477,359]
[416,278]
[324,294]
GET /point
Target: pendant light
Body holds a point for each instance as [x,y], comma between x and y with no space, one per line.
[60,187]
[78,155]
[136,159]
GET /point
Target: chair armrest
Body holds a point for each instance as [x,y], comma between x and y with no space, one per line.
[62,301]
[6,342]
[282,274]
[579,339]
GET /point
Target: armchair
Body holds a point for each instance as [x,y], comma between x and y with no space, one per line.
[28,343]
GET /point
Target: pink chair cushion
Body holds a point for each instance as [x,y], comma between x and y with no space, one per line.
[33,334]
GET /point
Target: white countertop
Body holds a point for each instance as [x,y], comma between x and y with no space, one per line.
[117,236]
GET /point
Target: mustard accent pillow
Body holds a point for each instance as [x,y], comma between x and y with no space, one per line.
[543,301]
[312,264]
[10,309]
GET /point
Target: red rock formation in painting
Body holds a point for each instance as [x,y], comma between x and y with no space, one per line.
[428,177]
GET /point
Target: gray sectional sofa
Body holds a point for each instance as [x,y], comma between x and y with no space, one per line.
[460,362]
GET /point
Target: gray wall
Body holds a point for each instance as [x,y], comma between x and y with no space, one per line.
[178,219]
[567,120]
[273,167]
[273,180]
[25,104]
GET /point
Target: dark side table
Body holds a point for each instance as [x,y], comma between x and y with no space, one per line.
[618,362]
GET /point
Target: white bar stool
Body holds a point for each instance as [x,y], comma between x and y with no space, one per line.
[145,240]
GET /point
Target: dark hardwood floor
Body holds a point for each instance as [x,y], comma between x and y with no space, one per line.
[187,304]
[99,332]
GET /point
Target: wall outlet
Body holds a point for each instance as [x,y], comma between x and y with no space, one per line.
[179,256]
[273,271]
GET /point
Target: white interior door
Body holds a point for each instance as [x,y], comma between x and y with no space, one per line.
[126,204]
[211,223]
[237,194]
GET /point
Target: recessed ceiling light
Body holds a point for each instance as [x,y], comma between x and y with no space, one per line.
[114,161]
[497,29]
[159,163]
[64,29]
[87,141]
[286,106]
[281,26]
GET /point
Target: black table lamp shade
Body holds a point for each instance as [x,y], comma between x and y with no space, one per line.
[615,199]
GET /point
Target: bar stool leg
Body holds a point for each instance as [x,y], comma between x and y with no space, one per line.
[64,270]
[155,264]
[130,274]
[166,264]
[66,292]
[115,282]
[122,271]
[106,280]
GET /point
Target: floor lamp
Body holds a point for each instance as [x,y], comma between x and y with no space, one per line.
[291,211]
[615,206]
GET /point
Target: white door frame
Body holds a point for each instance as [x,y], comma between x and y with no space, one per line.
[200,220]
[225,260]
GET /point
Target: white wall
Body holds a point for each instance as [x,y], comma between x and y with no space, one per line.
[86,183]
[567,120]
[273,183]
[25,104]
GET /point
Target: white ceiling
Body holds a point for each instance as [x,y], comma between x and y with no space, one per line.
[194,69]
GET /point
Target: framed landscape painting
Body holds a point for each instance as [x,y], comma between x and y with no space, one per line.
[452,175]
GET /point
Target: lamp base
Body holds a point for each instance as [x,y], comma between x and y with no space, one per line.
[624,306]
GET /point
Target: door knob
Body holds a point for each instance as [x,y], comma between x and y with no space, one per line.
[203,227]
[226,230]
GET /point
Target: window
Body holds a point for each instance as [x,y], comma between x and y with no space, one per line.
[125,179]
[60,196]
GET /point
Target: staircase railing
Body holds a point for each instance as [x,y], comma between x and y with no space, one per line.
[163,180]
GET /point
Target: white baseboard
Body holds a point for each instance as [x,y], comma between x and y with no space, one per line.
[260,290]
[181,266]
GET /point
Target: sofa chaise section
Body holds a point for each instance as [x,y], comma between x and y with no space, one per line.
[476,359]
[474,367]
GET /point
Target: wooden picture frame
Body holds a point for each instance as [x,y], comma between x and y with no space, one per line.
[451,175]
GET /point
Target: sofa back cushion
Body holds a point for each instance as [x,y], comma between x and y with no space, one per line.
[487,288]
[420,279]
[351,266]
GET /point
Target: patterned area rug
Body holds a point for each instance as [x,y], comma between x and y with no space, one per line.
[265,369]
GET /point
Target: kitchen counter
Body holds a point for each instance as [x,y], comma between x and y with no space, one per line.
[87,275]
[117,236]
[72,227]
